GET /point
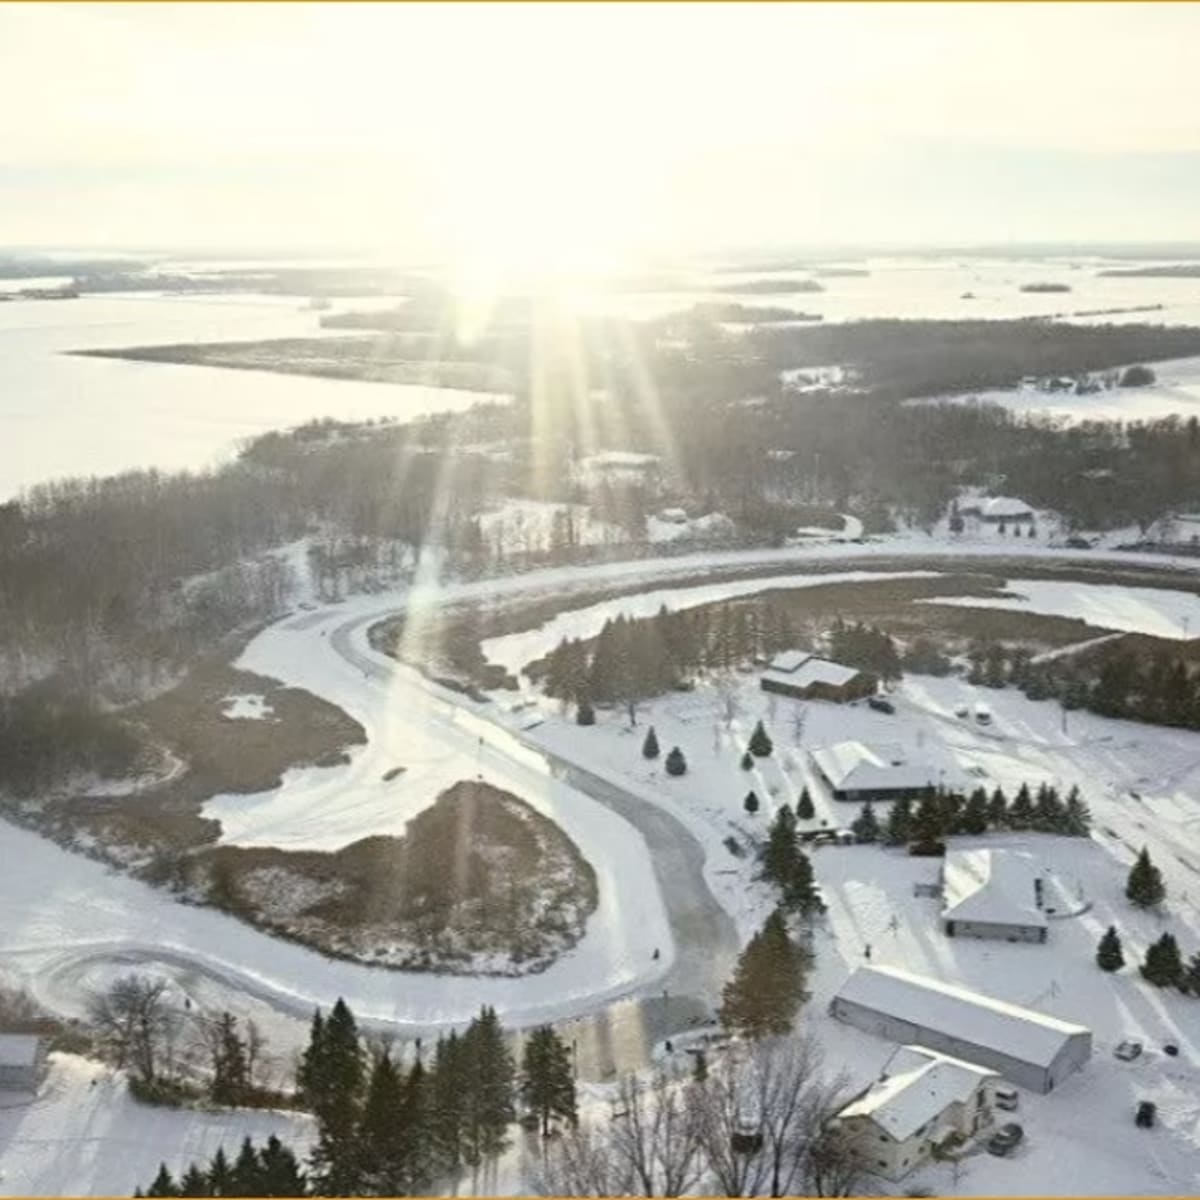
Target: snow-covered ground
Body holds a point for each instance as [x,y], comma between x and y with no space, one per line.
[1176,390]
[1154,611]
[84,1136]
[248,706]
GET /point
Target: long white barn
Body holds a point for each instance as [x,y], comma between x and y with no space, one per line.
[1026,1047]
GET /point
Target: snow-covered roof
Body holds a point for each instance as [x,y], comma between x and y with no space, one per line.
[18,1049]
[858,766]
[917,1087]
[1021,1033]
[992,886]
[803,669]
[620,458]
[998,506]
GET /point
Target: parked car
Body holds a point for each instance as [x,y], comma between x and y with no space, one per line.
[879,704]
[1147,1110]
[962,712]
[1007,1099]
[1005,1140]
[983,714]
[1127,1051]
[1171,1049]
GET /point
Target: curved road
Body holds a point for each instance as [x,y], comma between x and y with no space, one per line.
[619,1033]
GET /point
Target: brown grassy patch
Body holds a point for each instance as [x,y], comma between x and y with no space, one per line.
[480,883]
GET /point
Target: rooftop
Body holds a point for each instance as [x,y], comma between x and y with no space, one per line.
[997,506]
[1021,1033]
[917,1086]
[992,886]
[859,766]
[803,669]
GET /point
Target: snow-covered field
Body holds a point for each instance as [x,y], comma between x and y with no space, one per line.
[84,1136]
[1176,390]
[1154,611]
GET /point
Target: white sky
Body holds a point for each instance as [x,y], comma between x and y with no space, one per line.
[580,128]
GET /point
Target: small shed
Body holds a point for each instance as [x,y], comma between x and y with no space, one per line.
[993,894]
[22,1056]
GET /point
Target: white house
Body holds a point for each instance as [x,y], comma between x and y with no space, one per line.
[921,1099]
[22,1056]
[993,894]
[859,771]
[997,510]
[1028,1048]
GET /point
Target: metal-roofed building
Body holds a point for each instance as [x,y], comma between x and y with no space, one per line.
[1028,1048]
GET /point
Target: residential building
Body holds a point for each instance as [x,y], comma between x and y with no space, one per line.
[921,1101]
[993,894]
[858,771]
[1028,1048]
[807,677]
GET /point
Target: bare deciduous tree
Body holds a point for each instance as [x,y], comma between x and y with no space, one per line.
[655,1134]
[135,1019]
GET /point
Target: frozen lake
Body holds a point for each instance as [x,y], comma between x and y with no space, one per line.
[64,415]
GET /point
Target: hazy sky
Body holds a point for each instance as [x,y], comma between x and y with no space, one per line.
[577,130]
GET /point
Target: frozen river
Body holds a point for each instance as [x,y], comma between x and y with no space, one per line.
[65,415]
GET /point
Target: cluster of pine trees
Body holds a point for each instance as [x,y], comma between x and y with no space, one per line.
[943,813]
[383,1130]
[865,647]
[769,983]
[635,658]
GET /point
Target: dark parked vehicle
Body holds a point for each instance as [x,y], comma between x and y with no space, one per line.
[1147,1110]
[1171,1049]
[879,704]
[1005,1140]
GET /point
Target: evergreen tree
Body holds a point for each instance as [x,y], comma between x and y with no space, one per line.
[219,1176]
[1163,965]
[419,1149]
[760,743]
[547,1079]
[311,1069]
[899,826]
[1020,812]
[1144,887]
[1191,976]
[768,984]
[779,853]
[650,745]
[193,1183]
[804,806]
[747,761]
[675,763]
[231,1069]
[975,814]
[280,1170]
[1109,955]
[1049,814]
[488,1102]
[381,1167]
[865,826]
[585,714]
[750,804]
[246,1176]
[164,1184]
[1077,821]
[336,1096]
[450,1082]
[800,892]
[927,825]
[997,809]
